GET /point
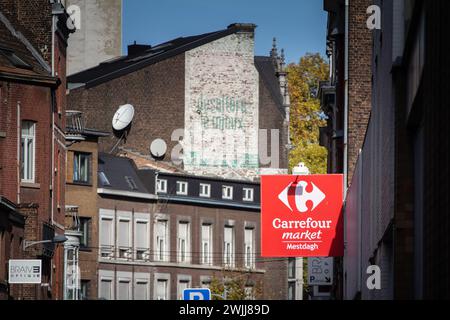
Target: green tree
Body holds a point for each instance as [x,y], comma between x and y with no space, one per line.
[306,116]
[234,283]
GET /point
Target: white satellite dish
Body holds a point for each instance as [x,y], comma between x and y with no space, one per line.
[123,117]
[158,148]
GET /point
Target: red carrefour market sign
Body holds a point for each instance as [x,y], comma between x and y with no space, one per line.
[301,216]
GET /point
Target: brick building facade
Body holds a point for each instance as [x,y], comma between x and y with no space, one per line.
[210,85]
[32,144]
[395,199]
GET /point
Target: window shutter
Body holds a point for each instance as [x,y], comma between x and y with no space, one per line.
[124,233]
[141,235]
[106,232]
[140,290]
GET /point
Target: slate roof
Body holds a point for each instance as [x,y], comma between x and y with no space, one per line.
[267,72]
[126,64]
[19,60]
[121,173]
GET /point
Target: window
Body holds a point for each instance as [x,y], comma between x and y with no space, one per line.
[162,292]
[141,240]
[161,252]
[84,289]
[248,194]
[205,190]
[123,238]
[291,290]
[103,179]
[227,192]
[228,246]
[28,149]
[141,289]
[161,186]
[123,289]
[84,228]
[106,289]
[206,244]
[81,167]
[182,188]
[291,268]
[14,59]
[183,242]
[131,183]
[106,237]
[249,258]
[182,285]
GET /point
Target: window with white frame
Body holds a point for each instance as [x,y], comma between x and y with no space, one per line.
[124,289]
[227,192]
[81,167]
[123,238]
[162,289]
[183,242]
[206,249]
[28,150]
[106,289]
[228,248]
[161,241]
[141,289]
[106,237]
[182,188]
[249,240]
[205,190]
[141,241]
[161,186]
[183,284]
[248,194]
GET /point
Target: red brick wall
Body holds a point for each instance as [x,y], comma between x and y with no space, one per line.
[360,81]
[157,94]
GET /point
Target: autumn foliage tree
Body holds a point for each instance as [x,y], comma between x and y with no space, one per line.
[306,116]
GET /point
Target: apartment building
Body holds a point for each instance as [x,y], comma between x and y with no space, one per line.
[33,40]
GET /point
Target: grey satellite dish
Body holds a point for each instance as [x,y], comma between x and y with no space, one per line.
[158,148]
[123,117]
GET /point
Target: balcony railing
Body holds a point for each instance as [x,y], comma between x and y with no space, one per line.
[74,122]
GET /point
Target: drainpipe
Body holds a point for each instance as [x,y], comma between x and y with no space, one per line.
[346,103]
[19,139]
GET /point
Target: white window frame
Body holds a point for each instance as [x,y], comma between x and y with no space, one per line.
[180,188]
[24,155]
[249,261]
[111,246]
[227,192]
[161,185]
[229,251]
[249,194]
[124,278]
[206,257]
[205,190]
[165,254]
[183,279]
[106,275]
[161,277]
[187,243]
[146,240]
[129,249]
[142,278]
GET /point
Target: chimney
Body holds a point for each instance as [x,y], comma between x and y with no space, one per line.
[135,49]
[244,27]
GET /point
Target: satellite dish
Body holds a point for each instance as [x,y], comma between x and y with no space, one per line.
[158,148]
[123,117]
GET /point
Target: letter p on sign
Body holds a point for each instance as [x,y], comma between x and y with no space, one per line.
[196,294]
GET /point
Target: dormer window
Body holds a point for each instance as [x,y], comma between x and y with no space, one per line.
[161,186]
[248,194]
[182,188]
[205,190]
[227,192]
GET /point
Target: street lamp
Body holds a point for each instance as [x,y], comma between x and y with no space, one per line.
[56,240]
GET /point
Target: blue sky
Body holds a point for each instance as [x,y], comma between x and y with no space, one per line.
[298,25]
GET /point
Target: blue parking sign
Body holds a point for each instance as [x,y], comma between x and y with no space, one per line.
[196,294]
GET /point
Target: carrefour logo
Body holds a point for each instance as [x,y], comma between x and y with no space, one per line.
[301,196]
